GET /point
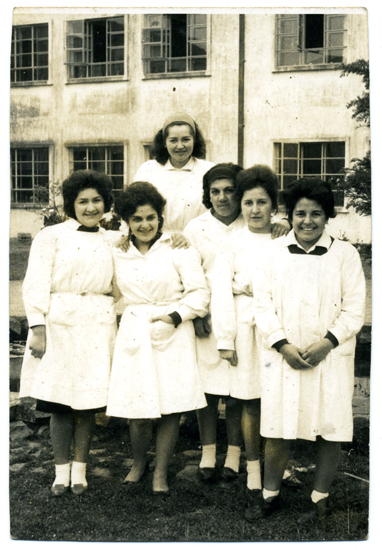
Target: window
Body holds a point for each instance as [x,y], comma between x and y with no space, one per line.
[108,160]
[30,175]
[29,53]
[310,39]
[95,48]
[313,159]
[174,43]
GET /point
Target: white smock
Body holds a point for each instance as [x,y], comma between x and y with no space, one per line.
[232,313]
[300,297]
[67,288]
[181,187]
[154,368]
[208,235]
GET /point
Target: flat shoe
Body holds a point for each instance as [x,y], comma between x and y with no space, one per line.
[163,494]
[78,489]
[314,512]
[292,481]
[59,490]
[263,509]
[207,475]
[229,475]
[254,496]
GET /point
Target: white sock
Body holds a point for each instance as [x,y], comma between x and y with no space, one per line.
[233,458]
[316,496]
[269,494]
[286,474]
[79,473]
[62,474]
[208,456]
[254,474]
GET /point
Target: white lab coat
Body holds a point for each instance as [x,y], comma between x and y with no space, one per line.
[207,235]
[154,368]
[181,187]
[232,311]
[67,288]
[301,298]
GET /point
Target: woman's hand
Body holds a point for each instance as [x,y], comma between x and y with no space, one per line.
[293,356]
[315,353]
[37,343]
[165,318]
[229,355]
[123,243]
[178,240]
[202,326]
[278,229]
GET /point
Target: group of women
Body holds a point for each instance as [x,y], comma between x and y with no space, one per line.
[266,323]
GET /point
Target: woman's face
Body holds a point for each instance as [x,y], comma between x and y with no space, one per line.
[308,221]
[257,209]
[223,198]
[144,223]
[179,144]
[89,207]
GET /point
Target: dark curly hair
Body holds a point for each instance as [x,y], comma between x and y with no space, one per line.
[138,194]
[86,179]
[224,170]
[259,175]
[159,150]
[309,188]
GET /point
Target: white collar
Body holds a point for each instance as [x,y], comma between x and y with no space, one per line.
[325,241]
[186,168]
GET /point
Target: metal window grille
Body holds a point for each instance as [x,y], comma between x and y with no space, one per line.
[95,47]
[174,43]
[324,160]
[106,159]
[310,39]
[30,175]
[30,53]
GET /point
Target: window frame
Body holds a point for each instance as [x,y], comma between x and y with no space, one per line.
[99,145]
[31,146]
[302,66]
[176,74]
[14,41]
[85,50]
[300,158]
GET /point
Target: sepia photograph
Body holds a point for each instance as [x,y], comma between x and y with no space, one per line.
[180,369]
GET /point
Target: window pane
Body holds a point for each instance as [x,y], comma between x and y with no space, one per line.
[290,166]
[314,31]
[198,64]
[117,182]
[288,26]
[79,165]
[25,182]
[288,180]
[335,39]
[116,25]
[79,154]
[334,166]
[116,168]
[26,60]
[41,31]
[25,75]
[116,153]
[289,59]
[116,55]
[288,42]
[290,150]
[25,33]
[152,51]
[314,56]
[41,45]
[197,19]
[156,67]
[116,69]
[116,40]
[24,155]
[312,150]
[152,36]
[96,153]
[335,22]
[41,168]
[335,56]
[311,167]
[198,49]
[40,60]
[177,65]
[74,42]
[335,149]
[98,70]
[198,33]
[24,196]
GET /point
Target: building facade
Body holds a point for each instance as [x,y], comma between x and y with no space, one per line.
[89,89]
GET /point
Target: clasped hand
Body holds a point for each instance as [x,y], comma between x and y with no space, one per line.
[229,355]
[308,358]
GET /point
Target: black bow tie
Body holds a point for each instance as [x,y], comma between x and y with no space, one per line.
[318,251]
[88,229]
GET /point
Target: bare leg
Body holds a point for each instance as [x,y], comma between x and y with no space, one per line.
[167,435]
[61,431]
[207,420]
[233,415]
[276,458]
[84,425]
[250,425]
[328,458]
[141,432]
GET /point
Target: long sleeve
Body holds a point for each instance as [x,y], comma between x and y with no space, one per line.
[265,315]
[223,312]
[37,283]
[353,291]
[196,296]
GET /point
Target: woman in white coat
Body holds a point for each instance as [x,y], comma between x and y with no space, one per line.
[154,372]
[208,234]
[67,297]
[177,170]
[232,308]
[309,299]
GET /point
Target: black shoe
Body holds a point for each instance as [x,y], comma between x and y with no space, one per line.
[207,475]
[263,508]
[315,512]
[78,489]
[292,481]
[58,490]
[229,475]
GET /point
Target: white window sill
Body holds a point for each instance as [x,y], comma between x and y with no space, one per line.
[97,79]
[31,83]
[191,74]
[311,67]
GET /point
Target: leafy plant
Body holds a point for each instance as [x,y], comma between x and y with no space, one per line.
[53,213]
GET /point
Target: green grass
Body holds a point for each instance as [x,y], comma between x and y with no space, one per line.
[111,511]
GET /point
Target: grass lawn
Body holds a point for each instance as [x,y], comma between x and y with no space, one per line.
[111,511]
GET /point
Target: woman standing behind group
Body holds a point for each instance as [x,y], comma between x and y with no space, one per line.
[177,169]
[231,307]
